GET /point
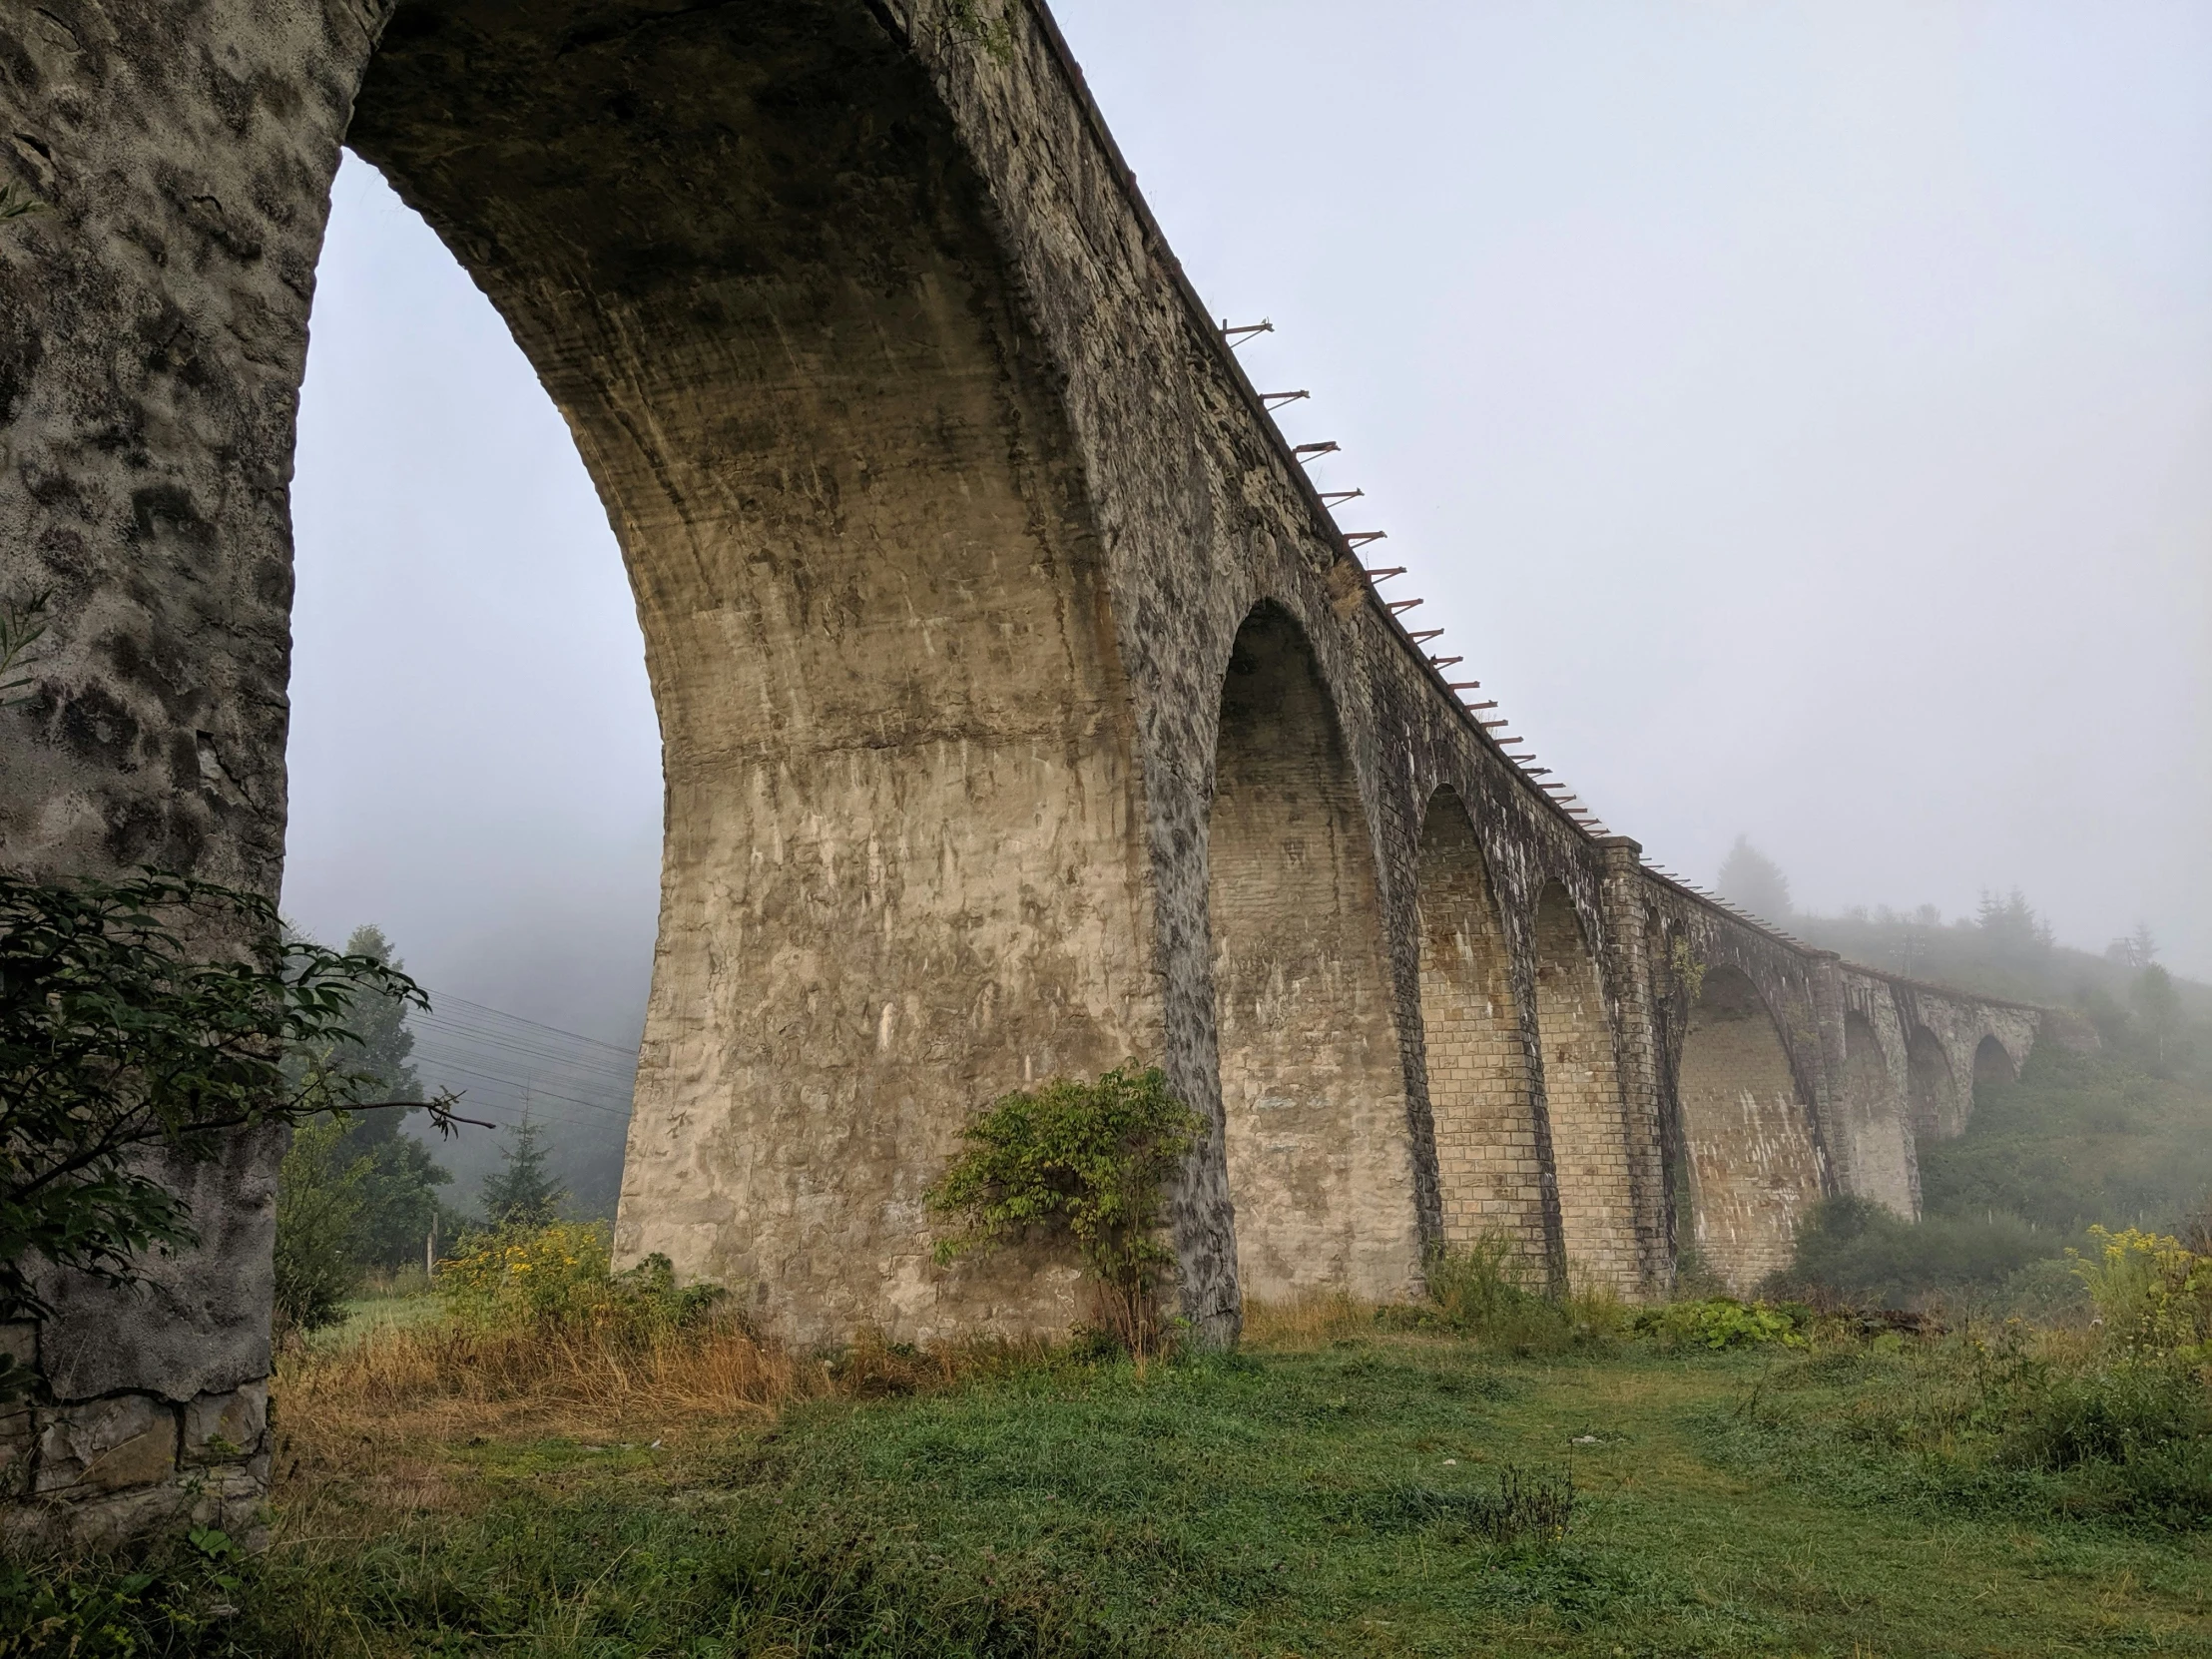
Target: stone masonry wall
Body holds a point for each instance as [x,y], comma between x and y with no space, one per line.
[1319,1163]
[1489,1156]
[1582,1093]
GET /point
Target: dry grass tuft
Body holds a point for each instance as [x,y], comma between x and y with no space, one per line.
[369,1427]
[436,1380]
[1306,1321]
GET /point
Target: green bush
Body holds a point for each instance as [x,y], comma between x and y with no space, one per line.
[1722,1322]
[2153,1295]
[143,1022]
[1995,1424]
[1858,1252]
[1085,1162]
[174,1602]
[1489,1292]
[562,1275]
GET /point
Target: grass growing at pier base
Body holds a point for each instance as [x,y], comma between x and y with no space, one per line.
[1337,1487]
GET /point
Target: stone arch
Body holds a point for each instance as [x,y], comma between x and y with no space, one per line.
[1490,1153]
[1317,1137]
[1877,1149]
[1992,1064]
[749,256]
[1932,1089]
[1583,1102]
[1754,1164]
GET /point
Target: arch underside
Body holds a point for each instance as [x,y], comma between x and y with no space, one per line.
[747,256]
[1992,1064]
[1755,1166]
[1939,1107]
[1583,1104]
[1317,1145]
[1490,1156]
[1876,1151]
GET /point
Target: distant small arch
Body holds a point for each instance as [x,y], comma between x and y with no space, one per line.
[1317,1135]
[1932,1090]
[1584,1101]
[1489,1156]
[1992,1064]
[1754,1164]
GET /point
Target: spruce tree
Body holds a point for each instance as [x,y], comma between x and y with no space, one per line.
[523,1192]
[398,1198]
[1752,879]
[382,1046]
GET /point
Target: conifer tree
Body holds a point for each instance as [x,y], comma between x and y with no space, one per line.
[523,1192]
[1752,879]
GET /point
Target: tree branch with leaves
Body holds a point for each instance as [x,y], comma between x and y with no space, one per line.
[124,1039]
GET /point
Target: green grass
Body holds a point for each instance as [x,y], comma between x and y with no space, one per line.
[1295,1503]
[365,1315]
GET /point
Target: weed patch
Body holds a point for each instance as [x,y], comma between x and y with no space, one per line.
[1985,1426]
[1532,1505]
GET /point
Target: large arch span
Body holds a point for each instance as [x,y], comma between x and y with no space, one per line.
[746,252]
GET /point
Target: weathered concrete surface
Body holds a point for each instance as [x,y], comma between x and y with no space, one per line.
[952,524]
[1754,1164]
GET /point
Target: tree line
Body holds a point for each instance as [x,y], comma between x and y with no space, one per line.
[358,1196]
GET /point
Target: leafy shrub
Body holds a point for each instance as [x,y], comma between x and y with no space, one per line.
[1722,1322]
[1857,1253]
[143,1023]
[2153,1294]
[99,1610]
[1488,1291]
[561,1277]
[1085,1162]
[2009,1421]
[1484,1289]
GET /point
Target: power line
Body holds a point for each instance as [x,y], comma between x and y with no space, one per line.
[500,1013]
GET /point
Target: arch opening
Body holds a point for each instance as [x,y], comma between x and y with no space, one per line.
[902,867]
[1490,1156]
[1317,1144]
[1992,1064]
[1583,1103]
[1876,1145]
[1932,1089]
[1754,1164]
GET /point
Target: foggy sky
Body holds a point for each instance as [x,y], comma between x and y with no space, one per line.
[1799,416]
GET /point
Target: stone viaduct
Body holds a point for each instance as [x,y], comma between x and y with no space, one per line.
[1022,708]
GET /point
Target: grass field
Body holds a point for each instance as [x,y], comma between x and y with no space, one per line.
[1328,1490]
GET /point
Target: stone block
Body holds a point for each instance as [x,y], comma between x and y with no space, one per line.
[18,1434]
[104,1520]
[108,1446]
[226,1427]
